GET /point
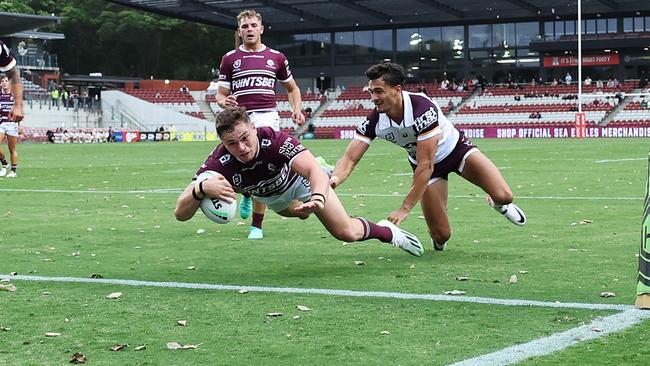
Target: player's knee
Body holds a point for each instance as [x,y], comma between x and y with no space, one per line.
[343,234]
[441,236]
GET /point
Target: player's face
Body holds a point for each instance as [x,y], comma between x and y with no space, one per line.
[242,142]
[250,31]
[385,97]
[4,84]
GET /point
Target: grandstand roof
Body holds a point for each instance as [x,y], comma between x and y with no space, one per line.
[14,22]
[301,16]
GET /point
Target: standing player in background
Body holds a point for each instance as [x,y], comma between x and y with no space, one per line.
[247,78]
[278,170]
[435,149]
[11,109]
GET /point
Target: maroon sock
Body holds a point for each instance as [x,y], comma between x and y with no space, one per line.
[257,220]
[374,231]
[3,161]
[14,167]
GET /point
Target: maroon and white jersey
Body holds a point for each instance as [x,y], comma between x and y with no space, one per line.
[423,119]
[6,103]
[7,62]
[268,174]
[251,76]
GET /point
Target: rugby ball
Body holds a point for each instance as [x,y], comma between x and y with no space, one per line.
[215,209]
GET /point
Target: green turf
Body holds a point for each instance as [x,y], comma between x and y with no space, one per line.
[96,226]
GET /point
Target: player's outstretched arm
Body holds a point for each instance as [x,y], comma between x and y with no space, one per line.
[347,162]
[187,204]
[295,98]
[16,114]
[225,99]
[305,165]
[426,153]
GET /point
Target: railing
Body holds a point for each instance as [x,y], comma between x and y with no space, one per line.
[39,62]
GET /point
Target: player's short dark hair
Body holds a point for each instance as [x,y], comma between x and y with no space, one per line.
[393,74]
[229,118]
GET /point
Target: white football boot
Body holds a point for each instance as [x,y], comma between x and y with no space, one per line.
[12,174]
[403,239]
[510,211]
[3,170]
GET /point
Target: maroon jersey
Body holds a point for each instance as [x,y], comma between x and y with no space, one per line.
[6,61]
[268,174]
[251,76]
[6,103]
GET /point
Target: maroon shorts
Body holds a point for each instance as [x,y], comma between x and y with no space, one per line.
[454,161]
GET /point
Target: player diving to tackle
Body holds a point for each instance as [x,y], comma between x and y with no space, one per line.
[435,149]
[277,170]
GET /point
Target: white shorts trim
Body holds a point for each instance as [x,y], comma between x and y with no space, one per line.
[9,128]
[467,154]
[266,119]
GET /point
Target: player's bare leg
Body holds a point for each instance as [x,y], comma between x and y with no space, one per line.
[255,231]
[4,165]
[434,208]
[482,172]
[12,141]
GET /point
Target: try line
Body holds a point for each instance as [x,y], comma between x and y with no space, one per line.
[178,191]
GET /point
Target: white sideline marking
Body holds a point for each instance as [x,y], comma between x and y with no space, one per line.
[617,160]
[179,190]
[318,291]
[559,341]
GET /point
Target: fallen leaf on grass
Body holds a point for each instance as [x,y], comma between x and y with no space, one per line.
[585,221]
[78,358]
[52,334]
[114,295]
[523,272]
[273,315]
[191,268]
[95,275]
[597,330]
[607,294]
[455,292]
[5,329]
[384,332]
[8,287]
[200,231]
[462,278]
[513,279]
[303,308]
[296,317]
[176,345]
[118,347]
[243,291]
[140,348]
[182,323]
[359,263]
[13,273]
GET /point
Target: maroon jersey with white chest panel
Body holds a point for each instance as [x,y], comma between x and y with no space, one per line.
[6,104]
[7,62]
[268,174]
[251,76]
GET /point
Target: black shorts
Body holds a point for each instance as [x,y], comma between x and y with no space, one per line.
[454,161]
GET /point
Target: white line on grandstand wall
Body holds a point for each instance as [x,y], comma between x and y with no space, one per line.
[331,292]
[397,195]
[559,341]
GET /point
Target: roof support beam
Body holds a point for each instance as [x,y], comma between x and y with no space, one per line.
[297,12]
[444,7]
[609,3]
[365,10]
[197,6]
[526,5]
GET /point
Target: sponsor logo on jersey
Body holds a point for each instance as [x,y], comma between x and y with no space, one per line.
[290,150]
[224,159]
[390,137]
[271,167]
[236,64]
[236,179]
[266,143]
[259,81]
[270,63]
[427,119]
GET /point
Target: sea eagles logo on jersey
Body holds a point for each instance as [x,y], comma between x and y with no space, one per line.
[236,179]
[224,159]
[270,63]
[272,167]
[236,64]
[390,137]
[427,119]
[363,126]
[266,142]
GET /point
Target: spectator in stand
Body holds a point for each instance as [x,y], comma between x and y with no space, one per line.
[64,97]
[55,97]
[644,104]
[518,97]
[588,81]
[568,79]
[110,137]
[422,89]
[308,91]
[50,136]
[184,89]
[308,112]
[599,84]
[158,96]
[554,82]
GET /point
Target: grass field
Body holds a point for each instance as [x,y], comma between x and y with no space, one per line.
[77,210]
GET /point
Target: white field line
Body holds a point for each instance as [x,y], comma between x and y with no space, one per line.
[331,292]
[556,342]
[617,160]
[398,195]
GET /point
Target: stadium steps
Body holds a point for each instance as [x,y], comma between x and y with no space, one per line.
[204,106]
[315,116]
[464,102]
[619,108]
